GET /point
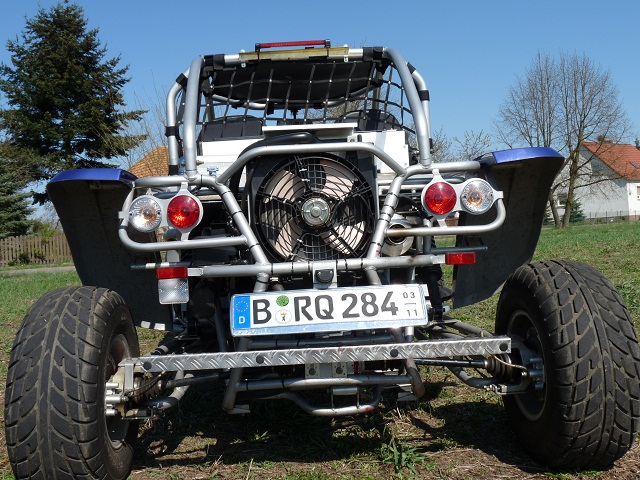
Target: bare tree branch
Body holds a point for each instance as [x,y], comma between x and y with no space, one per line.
[563,104]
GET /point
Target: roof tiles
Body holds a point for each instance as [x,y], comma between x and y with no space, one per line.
[623,159]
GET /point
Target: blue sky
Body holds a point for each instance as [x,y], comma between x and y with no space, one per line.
[469,52]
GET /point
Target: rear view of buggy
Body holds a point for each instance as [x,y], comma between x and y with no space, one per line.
[294,251]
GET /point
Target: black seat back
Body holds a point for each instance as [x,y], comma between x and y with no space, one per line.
[372,120]
[227,128]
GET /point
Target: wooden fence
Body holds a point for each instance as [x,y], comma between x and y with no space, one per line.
[34,249]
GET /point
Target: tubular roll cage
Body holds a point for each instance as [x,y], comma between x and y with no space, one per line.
[249,352]
[417,95]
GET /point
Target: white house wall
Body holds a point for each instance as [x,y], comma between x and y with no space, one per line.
[605,202]
[633,191]
[615,197]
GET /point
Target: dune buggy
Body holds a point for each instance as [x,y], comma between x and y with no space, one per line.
[294,251]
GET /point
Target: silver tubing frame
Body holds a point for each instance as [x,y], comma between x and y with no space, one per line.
[420,115]
[244,354]
[191,105]
[172,121]
[411,81]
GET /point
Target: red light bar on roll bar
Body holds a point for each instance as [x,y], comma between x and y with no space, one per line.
[301,43]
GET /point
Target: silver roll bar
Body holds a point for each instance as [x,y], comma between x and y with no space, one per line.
[172,121]
[420,117]
[412,82]
[191,118]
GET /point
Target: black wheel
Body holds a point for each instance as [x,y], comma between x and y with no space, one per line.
[569,323]
[70,342]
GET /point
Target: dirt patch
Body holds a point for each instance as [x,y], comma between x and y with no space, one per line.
[452,433]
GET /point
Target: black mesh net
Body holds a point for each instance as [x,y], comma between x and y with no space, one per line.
[311,91]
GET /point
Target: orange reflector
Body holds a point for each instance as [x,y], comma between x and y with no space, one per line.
[171,272]
[463,258]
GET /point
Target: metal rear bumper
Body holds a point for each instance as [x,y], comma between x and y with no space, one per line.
[439,348]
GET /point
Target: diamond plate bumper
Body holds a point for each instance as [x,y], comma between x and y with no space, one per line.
[268,358]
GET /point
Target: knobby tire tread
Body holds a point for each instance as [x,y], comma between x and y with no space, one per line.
[597,363]
[49,436]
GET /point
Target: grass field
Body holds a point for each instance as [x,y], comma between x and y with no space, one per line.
[453,432]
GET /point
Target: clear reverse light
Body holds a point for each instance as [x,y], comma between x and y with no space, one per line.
[477,196]
[145,214]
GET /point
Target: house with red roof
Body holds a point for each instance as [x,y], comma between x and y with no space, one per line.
[618,195]
[154,163]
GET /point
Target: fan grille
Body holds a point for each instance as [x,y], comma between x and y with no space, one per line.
[314,208]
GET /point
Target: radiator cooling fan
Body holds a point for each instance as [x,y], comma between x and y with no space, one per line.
[314,208]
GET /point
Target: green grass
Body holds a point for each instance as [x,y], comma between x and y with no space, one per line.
[33,266]
[454,432]
[611,248]
[17,294]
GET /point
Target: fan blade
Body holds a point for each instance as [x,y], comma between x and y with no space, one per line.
[345,238]
[279,228]
[284,185]
[287,237]
[339,180]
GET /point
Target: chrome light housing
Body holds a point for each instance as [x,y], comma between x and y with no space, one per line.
[183,211]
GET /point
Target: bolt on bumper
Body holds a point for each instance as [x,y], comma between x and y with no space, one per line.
[439,348]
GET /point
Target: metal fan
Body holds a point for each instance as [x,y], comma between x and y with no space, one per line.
[314,208]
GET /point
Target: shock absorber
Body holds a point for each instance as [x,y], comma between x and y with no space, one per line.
[500,367]
[146,389]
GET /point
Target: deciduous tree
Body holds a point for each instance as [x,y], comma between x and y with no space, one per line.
[562,104]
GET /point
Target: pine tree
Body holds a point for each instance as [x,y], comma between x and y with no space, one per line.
[65,106]
[576,214]
[14,207]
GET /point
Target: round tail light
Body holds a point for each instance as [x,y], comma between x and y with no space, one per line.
[145,214]
[440,198]
[183,211]
[477,196]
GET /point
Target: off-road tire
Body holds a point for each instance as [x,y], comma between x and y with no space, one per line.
[67,346]
[588,411]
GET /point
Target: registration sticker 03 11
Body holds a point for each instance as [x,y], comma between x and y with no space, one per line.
[300,311]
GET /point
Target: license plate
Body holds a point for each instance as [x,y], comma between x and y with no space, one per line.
[302,311]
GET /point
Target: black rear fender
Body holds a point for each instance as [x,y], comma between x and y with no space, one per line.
[88,202]
[525,176]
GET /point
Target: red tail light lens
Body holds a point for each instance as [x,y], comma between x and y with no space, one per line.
[440,198]
[183,211]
